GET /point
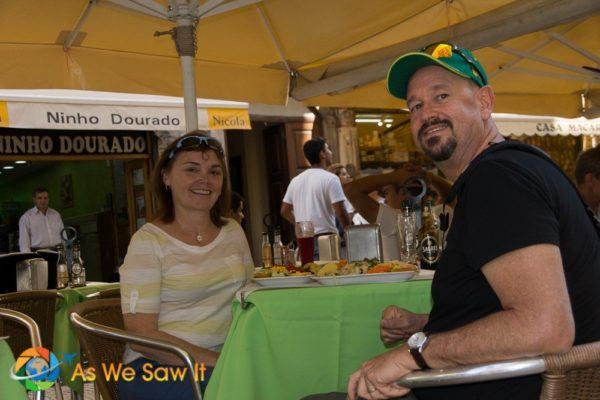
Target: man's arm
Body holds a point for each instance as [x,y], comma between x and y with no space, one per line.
[24,239]
[536,316]
[358,191]
[536,319]
[287,212]
[342,214]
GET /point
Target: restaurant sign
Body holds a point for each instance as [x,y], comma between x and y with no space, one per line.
[16,142]
[15,114]
[531,126]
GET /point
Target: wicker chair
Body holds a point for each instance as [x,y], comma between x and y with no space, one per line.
[110,294]
[39,305]
[105,294]
[99,327]
[33,332]
[574,375]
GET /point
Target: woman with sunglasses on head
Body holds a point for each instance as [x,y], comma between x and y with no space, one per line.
[182,270]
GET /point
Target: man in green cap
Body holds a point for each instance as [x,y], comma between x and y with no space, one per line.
[513,280]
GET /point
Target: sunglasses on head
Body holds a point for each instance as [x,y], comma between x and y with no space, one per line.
[455,49]
[196,142]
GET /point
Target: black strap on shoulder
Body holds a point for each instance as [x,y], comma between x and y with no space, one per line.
[515,145]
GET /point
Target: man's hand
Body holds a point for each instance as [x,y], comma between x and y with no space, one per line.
[398,324]
[377,378]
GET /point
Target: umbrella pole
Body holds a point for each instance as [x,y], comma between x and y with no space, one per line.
[189,93]
[184,36]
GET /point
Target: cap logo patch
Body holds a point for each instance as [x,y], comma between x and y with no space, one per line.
[442,51]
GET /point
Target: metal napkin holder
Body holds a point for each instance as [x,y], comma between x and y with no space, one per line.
[364,241]
[32,274]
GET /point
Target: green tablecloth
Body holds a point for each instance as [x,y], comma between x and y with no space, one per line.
[65,339]
[289,343]
[9,389]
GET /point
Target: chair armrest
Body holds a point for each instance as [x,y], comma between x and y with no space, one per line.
[474,373]
[124,336]
[26,320]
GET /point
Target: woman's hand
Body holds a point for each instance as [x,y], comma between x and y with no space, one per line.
[398,324]
[377,378]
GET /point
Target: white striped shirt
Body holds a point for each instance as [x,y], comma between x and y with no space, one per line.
[190,287]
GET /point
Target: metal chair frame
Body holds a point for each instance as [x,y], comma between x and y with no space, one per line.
[553,367]
[85,326]
[34,335]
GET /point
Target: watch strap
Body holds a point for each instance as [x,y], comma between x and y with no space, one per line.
[417,355]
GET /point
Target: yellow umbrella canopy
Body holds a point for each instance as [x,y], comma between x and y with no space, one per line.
[330,53]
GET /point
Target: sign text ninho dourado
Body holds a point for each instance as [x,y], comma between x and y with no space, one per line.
[71,143]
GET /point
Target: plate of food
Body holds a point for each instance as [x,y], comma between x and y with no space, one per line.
[378,277]
[281,276]
[367,271]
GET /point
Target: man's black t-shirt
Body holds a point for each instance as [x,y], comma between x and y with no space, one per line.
[510,200]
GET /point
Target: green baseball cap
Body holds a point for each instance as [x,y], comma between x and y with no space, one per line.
[446,55]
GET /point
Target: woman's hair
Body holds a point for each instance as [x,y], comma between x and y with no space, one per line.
[336,168]
[202,143]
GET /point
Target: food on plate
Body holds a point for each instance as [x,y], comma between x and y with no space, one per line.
[399,266]
[312,267]
[367,266]
[329,269]
[278,271]
[381,267]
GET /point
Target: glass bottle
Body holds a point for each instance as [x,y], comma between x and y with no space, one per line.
[267,251]
[429,244]
[78,267]
[62,271]
[278,256]
[407,234]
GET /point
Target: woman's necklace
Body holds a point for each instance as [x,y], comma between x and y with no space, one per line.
[197,233]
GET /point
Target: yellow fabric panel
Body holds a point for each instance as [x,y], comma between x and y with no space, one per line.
[4,114]
[227,118]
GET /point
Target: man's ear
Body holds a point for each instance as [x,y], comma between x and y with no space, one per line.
[486,99]
[588,178]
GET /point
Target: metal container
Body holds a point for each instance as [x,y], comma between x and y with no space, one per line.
[329,247]
[32,274]
[364,241]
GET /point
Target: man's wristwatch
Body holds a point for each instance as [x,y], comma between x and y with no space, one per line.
[416,344]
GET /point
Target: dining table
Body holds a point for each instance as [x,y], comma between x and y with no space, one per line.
[287,343]
[9,388]
[65,344]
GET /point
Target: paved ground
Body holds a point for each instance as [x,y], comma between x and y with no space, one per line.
[88,394]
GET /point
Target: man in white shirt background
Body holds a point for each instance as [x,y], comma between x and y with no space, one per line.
[40,226]
[316,195]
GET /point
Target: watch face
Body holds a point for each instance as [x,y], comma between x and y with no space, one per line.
[416,340]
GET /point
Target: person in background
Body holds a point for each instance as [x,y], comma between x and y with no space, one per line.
[316,194]
[340,171]
[587,176]
[182,270]
[40,226]
[391,190]
[237,207]
[513,280]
